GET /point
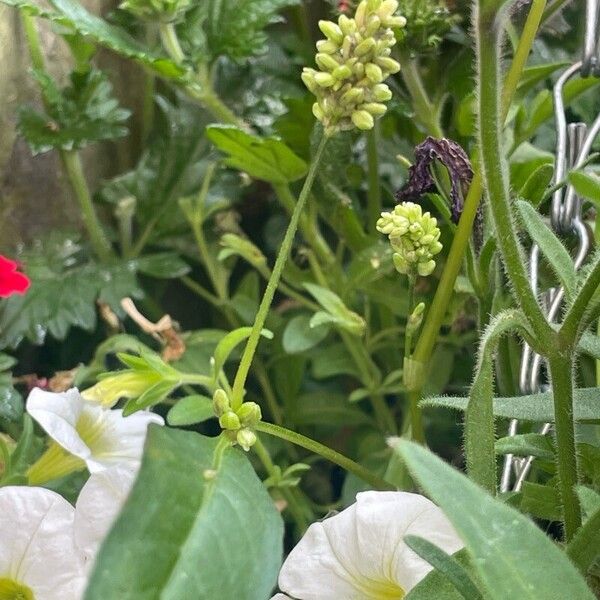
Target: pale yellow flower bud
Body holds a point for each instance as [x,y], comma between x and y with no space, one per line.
[363,119]
[246,439]
[331,31]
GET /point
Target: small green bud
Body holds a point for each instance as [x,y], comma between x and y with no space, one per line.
[365,47]
[348,26]
[318,111]
[325,79]
[308,77]
[374,73]
[382,92]
[246,439]
[353,96]
[249,414]
[326,61]
[362,119]
[229,420]
[373,5]
[415,319]
[387,9]
[331,31]
[373,24]
[389,64]
[342,72]
[401,264]
[220,402]
[425,269]
[327,46]
[375,108]
[360,14]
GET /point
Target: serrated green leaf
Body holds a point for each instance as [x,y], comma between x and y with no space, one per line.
[222,538]
[552,248]
[235,29]
[299,336]
[82,113]
[73,15]
[512,556]
[191,410]
[527,444]
[538,408]
[264,158]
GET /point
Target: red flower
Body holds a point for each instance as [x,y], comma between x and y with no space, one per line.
[11,281]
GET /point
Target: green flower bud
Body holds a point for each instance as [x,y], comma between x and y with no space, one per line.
[374,73]
[331,31]
[363,119]
[326,62]
[414,237]
[415,319]
[246,439]
[249,414]
[229,420]
[353,62]
[375,108]
[220,402]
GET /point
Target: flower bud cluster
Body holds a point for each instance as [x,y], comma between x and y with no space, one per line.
[237,424]
[354,60]
[164,11]
[414,236]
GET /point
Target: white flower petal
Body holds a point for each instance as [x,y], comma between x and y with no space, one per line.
[280,597]
[98,505]
[37,545]
[100,436]
[58,414]
[360,553]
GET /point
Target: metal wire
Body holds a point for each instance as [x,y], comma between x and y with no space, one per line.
[573,146]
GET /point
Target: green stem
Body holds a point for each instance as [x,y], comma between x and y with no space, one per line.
[411,306]
[74,170]
[494,172]
[33,42]
[424,109]
[170,42]
[327,453]
[263,310]
[374,193]
[200,291]
[310,231]
[294,507]
[561,373]
[445,289]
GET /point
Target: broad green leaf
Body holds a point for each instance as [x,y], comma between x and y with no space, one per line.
[436,586]
[584,548]
[541,501]
[445,564]
[263,158]
[236,28]
[165,265]
[299,336]
[552,248]
[191,410]
[332,360]
[336,312]
[196,526]
[11,401]
[538,408]
[586,185]
[226,346]
[6,361]
[589,499]
[511,555]
[533,75]
[537,183]
[527,444]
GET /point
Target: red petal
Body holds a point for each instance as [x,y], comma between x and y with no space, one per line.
[7,265]
[12,283]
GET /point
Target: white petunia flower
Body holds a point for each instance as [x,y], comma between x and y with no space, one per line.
[85,434]
[360,553]
[38,556]
[98,506]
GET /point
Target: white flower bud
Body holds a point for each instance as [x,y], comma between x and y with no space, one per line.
[246,439]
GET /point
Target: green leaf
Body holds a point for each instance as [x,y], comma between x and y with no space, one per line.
[512,557]
[584,548]
[263,158]
[299,336]
[25,449]
[527,444]
[541,501]
[152,396]
[552,248]
[586,185]
[326,408]
[538,407]
[191,410]
[445,564]
[165,265]
[6,361]
[437,586]
[589,344]
[226,346]
[82,113]
[236,28]
[589,499]
[198,525]
[11,402]
[74,16]
[336,311]
[531,76]
[537,183]
[332,360]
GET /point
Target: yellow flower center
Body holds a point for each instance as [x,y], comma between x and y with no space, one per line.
[379,590]
[12,590]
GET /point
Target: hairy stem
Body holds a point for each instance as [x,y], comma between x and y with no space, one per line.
[263,310]
[327,453]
